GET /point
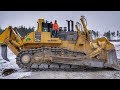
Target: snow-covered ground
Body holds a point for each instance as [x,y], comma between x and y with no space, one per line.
[55,74]
[12,64]
[74,75]
[6,64]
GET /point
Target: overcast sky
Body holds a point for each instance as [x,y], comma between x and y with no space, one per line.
[97,20]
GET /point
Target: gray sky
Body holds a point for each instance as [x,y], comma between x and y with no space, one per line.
[97,20]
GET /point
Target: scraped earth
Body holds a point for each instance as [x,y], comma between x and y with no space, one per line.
[75,75]
[15,72]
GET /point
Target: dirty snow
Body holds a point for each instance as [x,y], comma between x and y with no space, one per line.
[74,75]
[56,74]
[6,64]
[17,75]
[12,64]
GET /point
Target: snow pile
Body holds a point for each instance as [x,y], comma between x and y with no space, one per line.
[117,44]
[6,64]
[17,75]
[12,64]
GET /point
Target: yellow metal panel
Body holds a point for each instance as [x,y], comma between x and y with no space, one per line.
[46,38]
[5,34]
[12,48]
[68,45]
[15,43]
[40,24]
[94,45]
[109,46]
[29,38]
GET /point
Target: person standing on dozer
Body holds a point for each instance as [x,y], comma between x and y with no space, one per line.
[55,29]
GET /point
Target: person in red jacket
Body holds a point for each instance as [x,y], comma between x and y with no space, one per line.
[55,28]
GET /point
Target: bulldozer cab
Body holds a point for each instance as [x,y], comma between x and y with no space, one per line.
[46,27]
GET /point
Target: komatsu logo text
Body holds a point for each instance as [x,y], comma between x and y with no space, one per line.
[52,40]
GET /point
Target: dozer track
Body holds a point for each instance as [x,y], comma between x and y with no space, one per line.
[49,59]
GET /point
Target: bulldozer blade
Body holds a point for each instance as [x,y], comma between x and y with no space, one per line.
[112,57]
[4,52]
[113,61]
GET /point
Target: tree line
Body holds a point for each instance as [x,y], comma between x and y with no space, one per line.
[22,30]
[110,35]
[0,30]
[94,34]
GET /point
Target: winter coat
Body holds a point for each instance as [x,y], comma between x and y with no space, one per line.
[55,26]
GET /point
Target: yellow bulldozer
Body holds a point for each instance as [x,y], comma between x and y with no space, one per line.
[71,48]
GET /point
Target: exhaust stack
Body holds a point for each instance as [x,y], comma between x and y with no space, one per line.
[68,25]
[72,25]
